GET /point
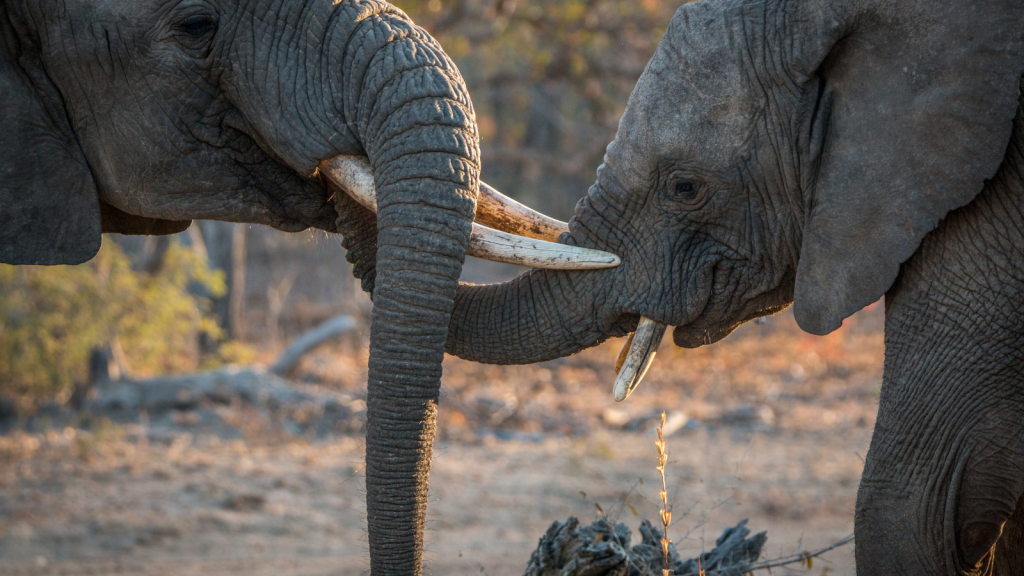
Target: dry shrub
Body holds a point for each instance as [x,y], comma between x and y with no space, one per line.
[54,316]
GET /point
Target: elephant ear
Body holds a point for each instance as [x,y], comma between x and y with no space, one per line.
[49,205]
[921,97]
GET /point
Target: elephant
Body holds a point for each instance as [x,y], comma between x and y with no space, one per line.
[137,117]
[823,154]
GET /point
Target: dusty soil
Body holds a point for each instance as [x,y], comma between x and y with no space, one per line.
[771,424]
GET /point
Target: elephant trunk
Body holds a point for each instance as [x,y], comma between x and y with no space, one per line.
[412,118]
[420,139]
[420,249]
[359,78]
[546,314]
[541,315]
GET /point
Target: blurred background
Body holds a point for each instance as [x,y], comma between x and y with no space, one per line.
[148,426]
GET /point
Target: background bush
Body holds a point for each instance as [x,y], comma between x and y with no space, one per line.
[549,80]
[52,317]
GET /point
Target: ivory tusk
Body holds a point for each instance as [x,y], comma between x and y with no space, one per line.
[621,358]
[497,246]
[493,209]
[354,175]
[500,212]
[636,357]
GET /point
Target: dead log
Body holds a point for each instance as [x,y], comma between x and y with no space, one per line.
[223,386]
[309,340]
[306,406]
[603,549]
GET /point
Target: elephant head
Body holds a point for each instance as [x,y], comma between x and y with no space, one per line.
[772,153]
[136,117]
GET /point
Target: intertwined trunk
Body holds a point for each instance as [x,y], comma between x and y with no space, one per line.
[420,252]
[547,314]
[540,315]
[359,78]
[421,142]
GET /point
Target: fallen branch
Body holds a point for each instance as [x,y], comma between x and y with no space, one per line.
[309,340]
[189,391]
[800,557]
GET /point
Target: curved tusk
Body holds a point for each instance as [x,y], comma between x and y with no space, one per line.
[500,212]
[497,246]
[621,358]
[354,175]
[636,357]
[494,209]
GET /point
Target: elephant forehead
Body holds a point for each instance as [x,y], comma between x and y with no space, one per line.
[665,120]
[697,100]
[100,12]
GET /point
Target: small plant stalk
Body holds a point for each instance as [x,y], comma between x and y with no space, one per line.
[666,514]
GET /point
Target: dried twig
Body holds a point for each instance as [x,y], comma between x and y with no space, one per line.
[800,557]
[666,514]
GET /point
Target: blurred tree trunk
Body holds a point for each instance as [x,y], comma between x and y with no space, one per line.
[147,253]
[236,293]
[225,248]
[544,136]
[155,254]
[277,295]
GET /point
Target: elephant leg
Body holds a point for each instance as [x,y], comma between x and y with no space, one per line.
[1009,553]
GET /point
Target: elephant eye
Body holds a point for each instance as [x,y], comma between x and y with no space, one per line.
[684,190]
[197,26]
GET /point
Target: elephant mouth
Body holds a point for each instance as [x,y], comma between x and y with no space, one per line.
[637,354]
[703,332]
[504,230]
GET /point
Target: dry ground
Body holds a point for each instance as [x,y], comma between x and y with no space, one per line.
[776,424]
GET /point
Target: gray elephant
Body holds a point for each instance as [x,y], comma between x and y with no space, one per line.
[136,117]
[823,154]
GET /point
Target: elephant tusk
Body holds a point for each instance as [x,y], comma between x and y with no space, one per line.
[636,357]
[498,246]
[621,358]
[500,212]
[493,209]
[354,175]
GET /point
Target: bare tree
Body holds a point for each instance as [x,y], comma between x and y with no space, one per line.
[236,291]
[225,248]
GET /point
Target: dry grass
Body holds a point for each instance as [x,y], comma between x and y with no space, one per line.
[665,513]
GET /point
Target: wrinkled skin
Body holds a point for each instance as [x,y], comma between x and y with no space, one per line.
[138,116]
[800,152]
[946,463]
